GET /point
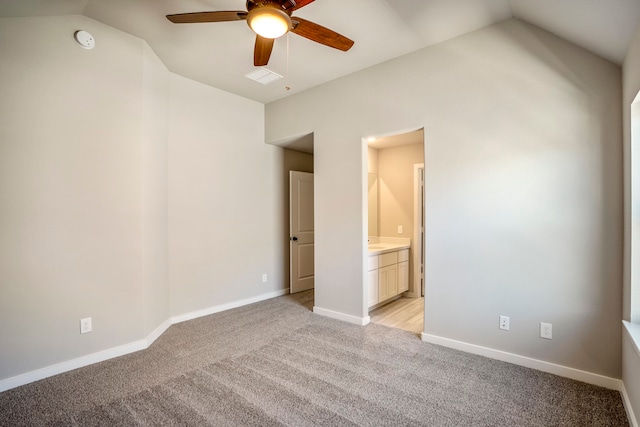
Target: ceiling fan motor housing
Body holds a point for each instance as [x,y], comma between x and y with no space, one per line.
[284,5]
[268,19]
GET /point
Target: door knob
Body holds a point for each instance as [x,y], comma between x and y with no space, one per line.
[294,238]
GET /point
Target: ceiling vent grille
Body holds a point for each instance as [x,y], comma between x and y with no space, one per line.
[263,75]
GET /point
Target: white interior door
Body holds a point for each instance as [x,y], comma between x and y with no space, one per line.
[301,231]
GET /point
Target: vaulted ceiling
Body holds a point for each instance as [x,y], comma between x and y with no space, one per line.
[220,54]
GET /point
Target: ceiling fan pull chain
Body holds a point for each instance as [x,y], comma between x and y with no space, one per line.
[286,79]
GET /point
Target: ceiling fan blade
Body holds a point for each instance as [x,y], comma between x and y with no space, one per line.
[320,34]
[195,17]
[296,4]
[262,51]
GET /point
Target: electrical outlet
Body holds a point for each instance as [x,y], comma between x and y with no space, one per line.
[399,229]
[546,330]
[85,325]
[264,278]
[504,323]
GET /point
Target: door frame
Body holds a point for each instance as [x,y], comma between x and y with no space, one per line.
[418,234]
[365,217]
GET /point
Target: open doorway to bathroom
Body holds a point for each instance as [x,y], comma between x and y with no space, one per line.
[395,207]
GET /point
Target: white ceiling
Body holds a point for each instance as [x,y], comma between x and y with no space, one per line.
[220,54]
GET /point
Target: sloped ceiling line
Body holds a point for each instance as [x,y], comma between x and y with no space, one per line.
[382,30]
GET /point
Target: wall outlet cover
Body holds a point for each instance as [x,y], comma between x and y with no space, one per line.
[85,325]
[546,330]
[504,323]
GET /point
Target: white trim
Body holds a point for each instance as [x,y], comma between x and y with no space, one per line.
[417,249]
[157,332]
[101,356]
[633,422]
[362,321]
[633,330]
[228,306]
[70,365]
[540,365]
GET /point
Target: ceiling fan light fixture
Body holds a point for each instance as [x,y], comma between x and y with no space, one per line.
[269,22]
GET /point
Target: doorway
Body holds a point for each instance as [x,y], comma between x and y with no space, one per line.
[291,160]
[396,163]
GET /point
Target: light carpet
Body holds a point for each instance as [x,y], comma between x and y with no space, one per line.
[274,363]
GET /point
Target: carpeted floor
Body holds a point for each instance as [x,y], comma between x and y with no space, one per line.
[275,363]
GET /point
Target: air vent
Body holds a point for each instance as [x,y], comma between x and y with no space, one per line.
[263,75]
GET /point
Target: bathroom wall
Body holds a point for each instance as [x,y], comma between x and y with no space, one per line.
[372,160]
[523,161]
[395,173]
[373,186]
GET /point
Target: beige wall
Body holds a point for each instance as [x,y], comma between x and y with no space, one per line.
[73,191]
[631,88]
[373,186]
[523,188]
[225,193]
[128,195]
[372,160]
[395,177]
[154,170]
[631,297]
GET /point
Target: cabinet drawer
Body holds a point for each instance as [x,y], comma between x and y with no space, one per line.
[373,262]
[388,259]
[403,255]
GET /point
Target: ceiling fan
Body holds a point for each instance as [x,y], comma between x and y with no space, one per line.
[270,19]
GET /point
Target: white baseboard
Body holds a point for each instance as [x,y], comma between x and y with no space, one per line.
[552,368]
[633,421]
[101,356]
[70,365]
[157,332]
[362,321]
[228,306]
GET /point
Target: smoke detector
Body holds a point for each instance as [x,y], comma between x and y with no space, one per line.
[84,39]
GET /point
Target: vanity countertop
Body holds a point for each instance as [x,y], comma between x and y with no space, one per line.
[381,248]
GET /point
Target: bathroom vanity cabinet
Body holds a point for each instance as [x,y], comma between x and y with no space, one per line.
[388,275]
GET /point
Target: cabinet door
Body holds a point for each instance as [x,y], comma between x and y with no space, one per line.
[383,284]
[373,287]
[393,280]
[403,277]
[387,282]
